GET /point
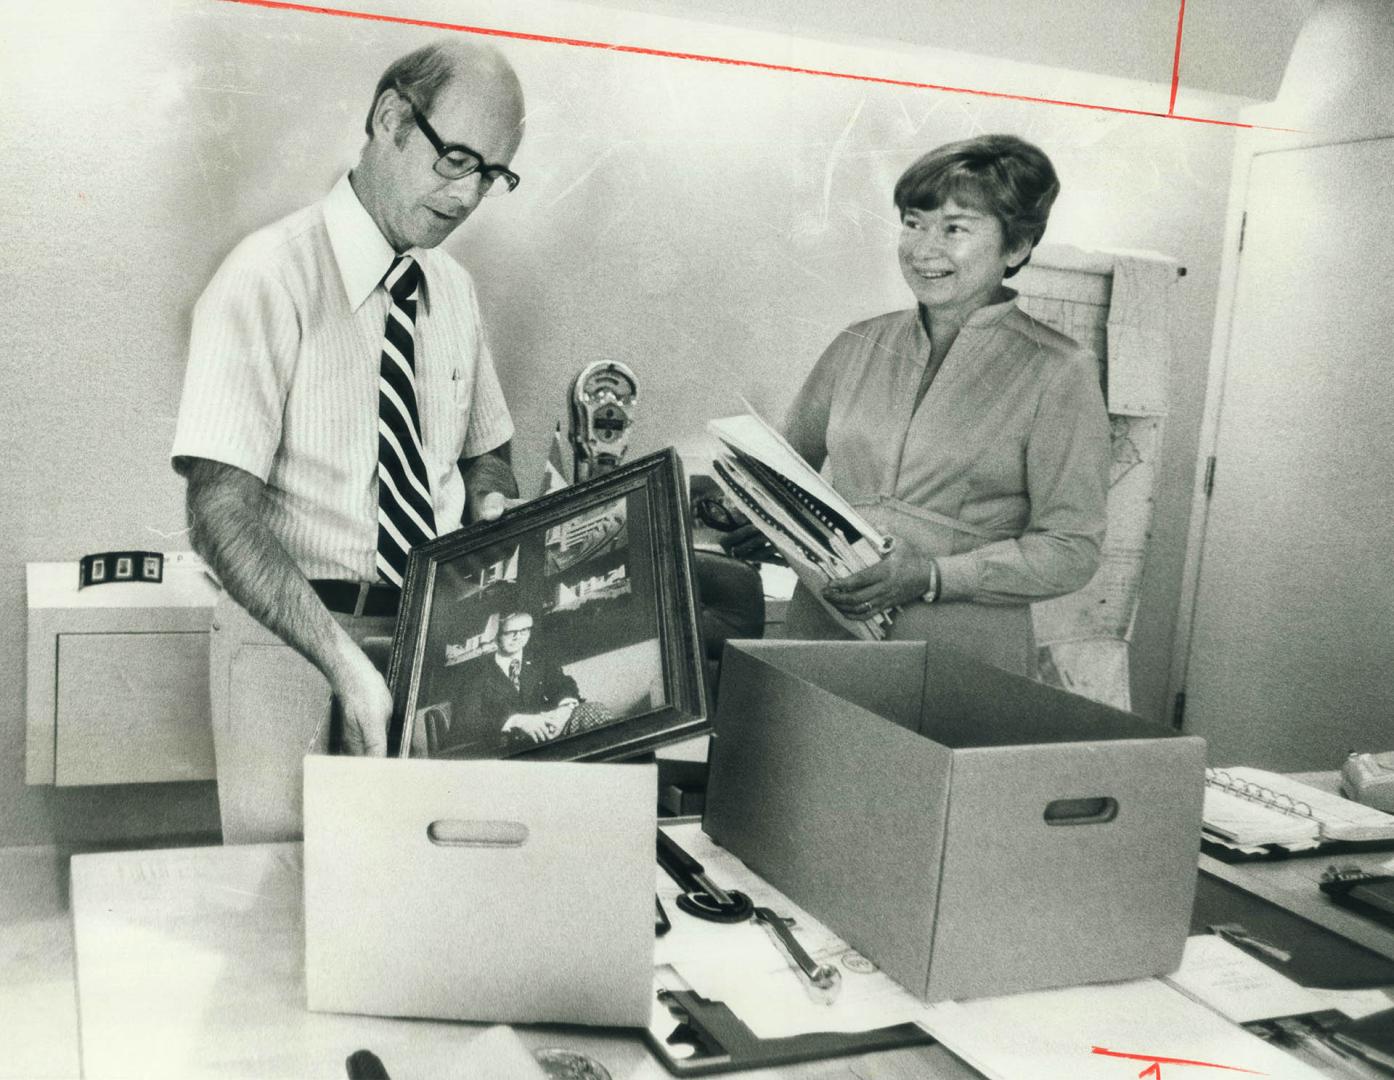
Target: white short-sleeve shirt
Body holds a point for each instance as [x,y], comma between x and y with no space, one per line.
[283,379]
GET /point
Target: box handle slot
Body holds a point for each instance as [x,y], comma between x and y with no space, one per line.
[457,832]
[1095,811]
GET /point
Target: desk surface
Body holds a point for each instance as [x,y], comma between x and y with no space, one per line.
[1292,883]
[190,963]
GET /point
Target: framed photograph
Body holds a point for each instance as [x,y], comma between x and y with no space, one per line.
[565,631]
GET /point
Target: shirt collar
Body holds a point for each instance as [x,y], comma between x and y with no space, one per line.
[991,313]
[362,252]
[987,315]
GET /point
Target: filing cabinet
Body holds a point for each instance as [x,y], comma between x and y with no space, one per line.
[117,677]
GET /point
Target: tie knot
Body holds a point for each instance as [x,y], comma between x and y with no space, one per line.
[403,278]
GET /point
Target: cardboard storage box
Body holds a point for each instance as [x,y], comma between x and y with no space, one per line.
[971,831]
[519,892]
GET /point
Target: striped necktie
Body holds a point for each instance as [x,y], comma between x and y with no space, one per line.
[405,517]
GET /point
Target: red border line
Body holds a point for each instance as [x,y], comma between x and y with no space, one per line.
[1176,60]
[666,54]
[1171,1061]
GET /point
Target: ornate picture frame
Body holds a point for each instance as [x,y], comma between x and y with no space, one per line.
[565,631]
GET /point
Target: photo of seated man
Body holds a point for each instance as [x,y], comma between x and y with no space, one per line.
[514,696]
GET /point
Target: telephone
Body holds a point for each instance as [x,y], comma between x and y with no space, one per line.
[1369,779]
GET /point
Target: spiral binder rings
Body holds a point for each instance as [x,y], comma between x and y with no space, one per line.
[819,534]
[1255,814]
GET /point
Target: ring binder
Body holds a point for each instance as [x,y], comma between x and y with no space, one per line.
[1265,796]
[1251,813]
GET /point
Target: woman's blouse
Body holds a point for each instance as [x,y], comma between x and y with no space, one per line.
[1000,473]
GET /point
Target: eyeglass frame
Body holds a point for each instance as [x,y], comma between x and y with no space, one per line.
[442,149]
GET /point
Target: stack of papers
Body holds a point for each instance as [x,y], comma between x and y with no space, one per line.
[739,964]
[820,535]
[1238,986]
[1109,1032]
[1243,988]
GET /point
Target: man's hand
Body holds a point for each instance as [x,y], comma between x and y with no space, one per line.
[490,486]
[494,505]
[228,530]
[900,577]
[539,727]
[365,706]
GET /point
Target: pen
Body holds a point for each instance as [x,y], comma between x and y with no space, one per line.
[700,895]
[687,871]
[1236,934]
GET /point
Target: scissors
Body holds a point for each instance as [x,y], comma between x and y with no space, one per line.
[701,896]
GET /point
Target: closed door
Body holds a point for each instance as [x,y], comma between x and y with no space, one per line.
[1291,662]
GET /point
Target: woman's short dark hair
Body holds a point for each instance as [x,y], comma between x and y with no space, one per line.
[419,77]
[1002,175]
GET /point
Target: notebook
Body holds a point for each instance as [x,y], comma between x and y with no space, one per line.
[820,535]
[1259,813]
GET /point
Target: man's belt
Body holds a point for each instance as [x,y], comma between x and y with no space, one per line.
[357,597]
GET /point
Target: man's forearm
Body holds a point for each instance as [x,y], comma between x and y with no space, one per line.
[228,531]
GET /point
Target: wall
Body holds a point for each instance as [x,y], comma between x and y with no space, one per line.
[1338,89]
[713,226]
[1228,48]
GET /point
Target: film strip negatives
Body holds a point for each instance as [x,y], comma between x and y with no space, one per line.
[104,567]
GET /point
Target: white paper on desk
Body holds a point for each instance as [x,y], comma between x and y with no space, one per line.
[1355,1003]
[499,1054]
[412,910]
[1223,976]
[740,965]
[1057,1035]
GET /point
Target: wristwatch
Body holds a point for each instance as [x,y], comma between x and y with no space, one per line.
[932,593]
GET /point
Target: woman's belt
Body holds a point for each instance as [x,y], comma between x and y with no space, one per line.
[910,510]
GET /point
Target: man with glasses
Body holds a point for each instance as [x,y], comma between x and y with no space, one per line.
[340,407]
[510,698]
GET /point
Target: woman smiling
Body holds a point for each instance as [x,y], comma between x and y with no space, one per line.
[968,431]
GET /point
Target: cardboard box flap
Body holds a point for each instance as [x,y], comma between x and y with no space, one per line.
[830,803]
[958,691]
[887,680]
[480,890]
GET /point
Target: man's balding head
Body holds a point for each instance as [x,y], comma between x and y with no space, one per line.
[465,93]
[421,74]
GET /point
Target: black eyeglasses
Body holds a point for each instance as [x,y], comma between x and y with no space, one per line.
[457,161]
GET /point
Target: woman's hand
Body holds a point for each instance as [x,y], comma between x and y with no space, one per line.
[749,544]
[900,577]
